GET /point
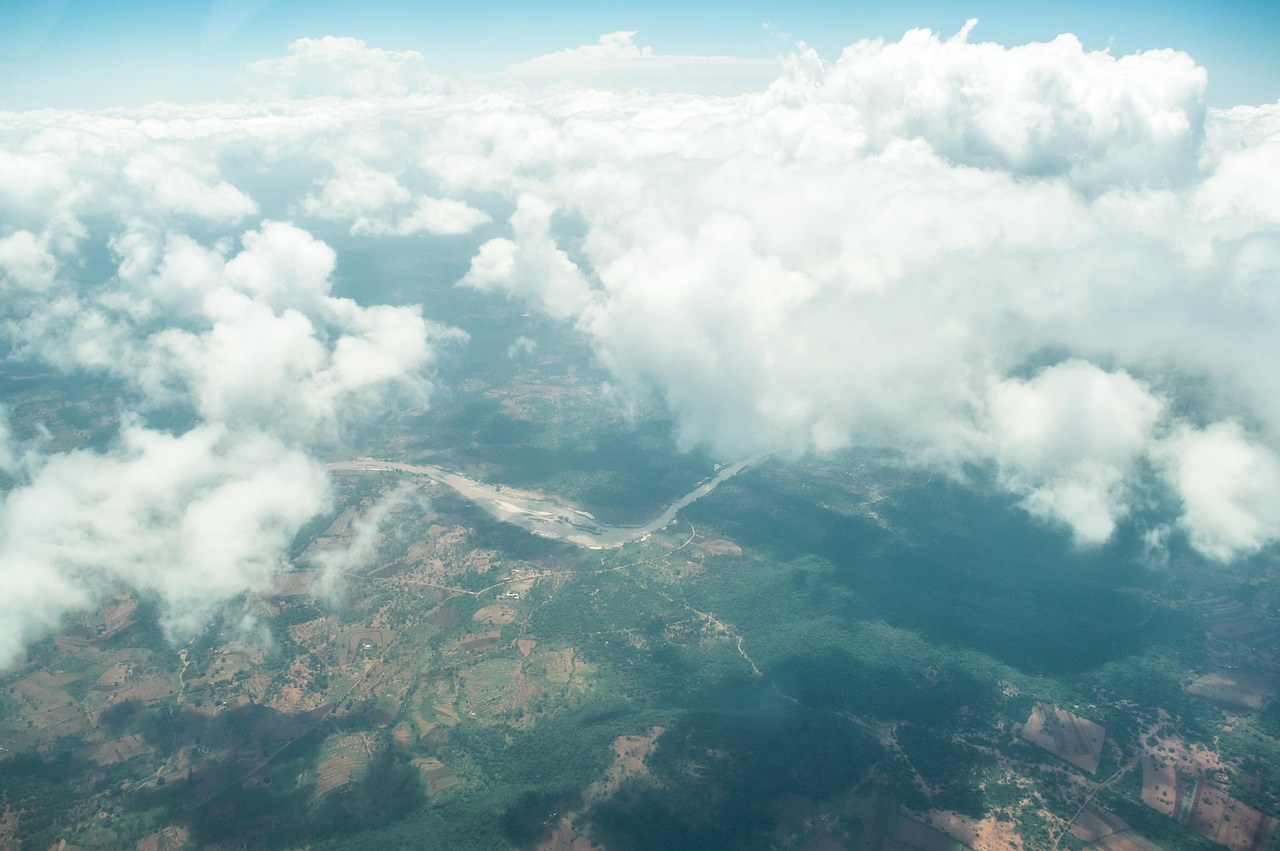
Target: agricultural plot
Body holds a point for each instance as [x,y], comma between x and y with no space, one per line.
[343,759]
[1207,810]
[1233,690]
[1065,735]
[1160,789]
[437,776]
[1232,620]
[1095,824]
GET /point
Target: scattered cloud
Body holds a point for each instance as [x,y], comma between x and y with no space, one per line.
[1051,264]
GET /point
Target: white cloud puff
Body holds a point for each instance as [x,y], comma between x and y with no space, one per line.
[195,519]
[1229,486]
[1069,439]
[343,67]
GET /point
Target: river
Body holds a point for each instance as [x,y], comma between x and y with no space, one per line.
[544,515]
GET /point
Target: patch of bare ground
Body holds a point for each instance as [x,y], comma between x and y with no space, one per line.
[497,614]
[1205,809]
[1093,823]
[565,838]
[719,547]
[1160,789]
[629,755]
[1233,690]
[480,641]
[918,836]
[1065,735]
[526,646]
[986,834]
[112,678]
[1194,759]
[9,828]
[119,750]
[169,839]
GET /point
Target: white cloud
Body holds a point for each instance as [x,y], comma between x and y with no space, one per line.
[273,366]
[195,518]
[1230,489]
[344,67]
[176,183]
[1069,439]
[1041,109]
[441,216]
[532,266]
[616,62]
[25,263]
[872,251]
[377,204]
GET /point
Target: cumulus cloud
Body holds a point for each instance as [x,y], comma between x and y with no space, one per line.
[875,249]
[342,67]
[1069,439]
[1230,489]
[194,519]
[1047,263]
[26,263]
[1042,109]
[532,265]
[375,203]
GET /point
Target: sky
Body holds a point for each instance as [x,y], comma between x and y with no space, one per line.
[95,54]
[1048,263]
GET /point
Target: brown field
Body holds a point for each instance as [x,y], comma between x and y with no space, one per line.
[1095,823]
[526,645]
[911,834]
[629,754]
[387,571]
[1212,813]
[151,688]
[481,641]
[292,584]
[1160,789]
[169,839]
[119,750]
[720,547]
[1076,740]
[497,614]
[987,834]
[112,678]
[344,757]
[1232,620]
[1223,819]
[437,775]
[1127,841]
[1233,690]
[565,838]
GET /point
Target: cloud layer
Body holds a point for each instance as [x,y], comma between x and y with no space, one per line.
[1050,265]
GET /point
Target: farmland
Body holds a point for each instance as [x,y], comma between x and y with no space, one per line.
[844,685]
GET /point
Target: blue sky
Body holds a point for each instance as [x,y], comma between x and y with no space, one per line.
[90,53]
